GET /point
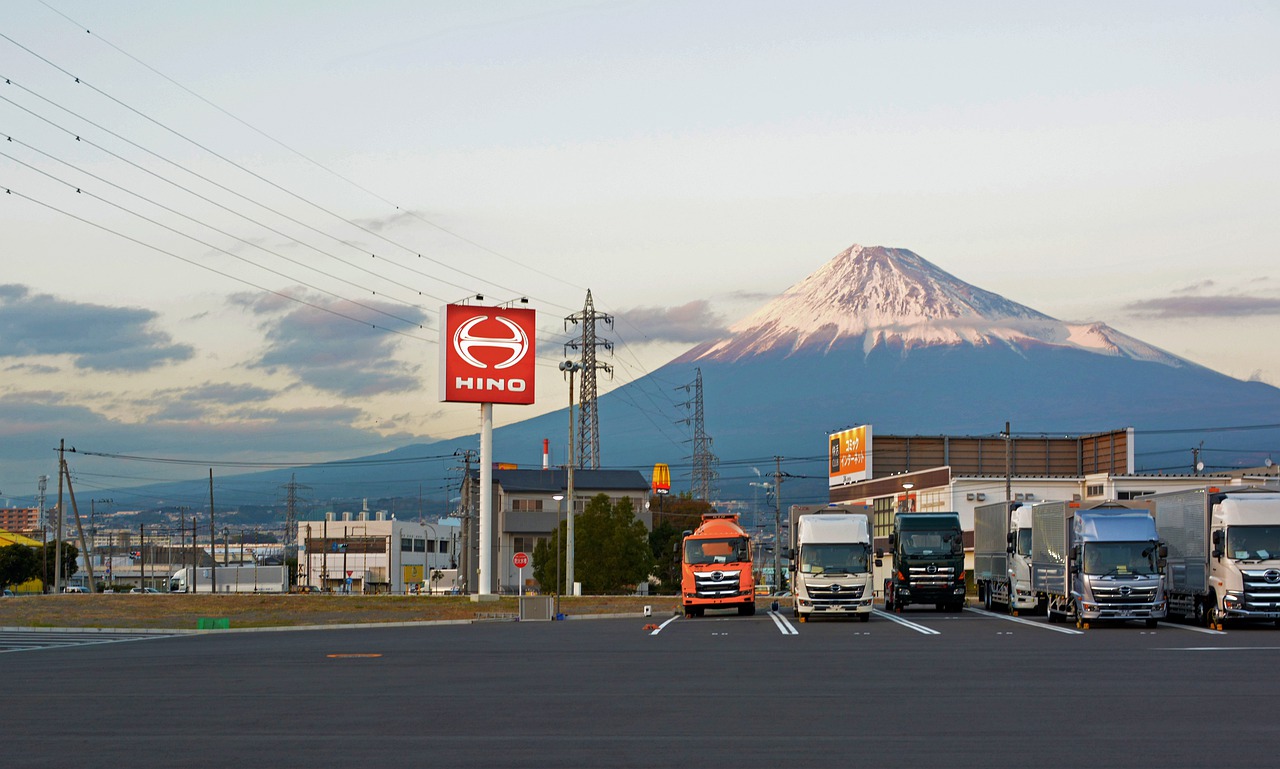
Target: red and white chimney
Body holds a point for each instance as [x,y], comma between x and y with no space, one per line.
[546,454]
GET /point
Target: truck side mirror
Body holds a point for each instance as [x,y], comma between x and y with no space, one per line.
[1218,551]
[893,540]
[879,562]
[1164,551]
[1075,553]
[791,554]
[879,553]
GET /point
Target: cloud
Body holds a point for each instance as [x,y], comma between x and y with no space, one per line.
[691,323]
[95,336]
[333,353]
[33,368]
[1221,306]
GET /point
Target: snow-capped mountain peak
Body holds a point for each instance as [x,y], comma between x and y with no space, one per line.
[868,296]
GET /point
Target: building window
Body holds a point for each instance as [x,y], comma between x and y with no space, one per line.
[522,544]
[406,544]
[1132,494]
[526,505]
[444,545]
[431,545]
[1093,490]
[419,545]
[882,509]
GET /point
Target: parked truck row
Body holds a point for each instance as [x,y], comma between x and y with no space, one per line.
[1208,554]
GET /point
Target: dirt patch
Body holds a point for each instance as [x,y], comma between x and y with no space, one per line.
[183,612]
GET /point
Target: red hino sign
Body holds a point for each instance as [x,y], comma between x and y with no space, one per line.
[486,354]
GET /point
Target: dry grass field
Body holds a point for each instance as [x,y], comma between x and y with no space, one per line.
[183,612]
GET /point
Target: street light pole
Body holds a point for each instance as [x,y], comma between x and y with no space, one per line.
[570,367]
[558,498]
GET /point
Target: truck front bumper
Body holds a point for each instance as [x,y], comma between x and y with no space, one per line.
[1124,611]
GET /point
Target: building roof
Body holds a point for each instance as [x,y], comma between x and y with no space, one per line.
[554,480]
[9,538]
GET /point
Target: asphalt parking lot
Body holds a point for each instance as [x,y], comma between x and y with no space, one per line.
[972,689]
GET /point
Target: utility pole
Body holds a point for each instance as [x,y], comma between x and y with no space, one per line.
[41,486]
[588,415]
[75,509]
[1008,466]
[291,520]
[213,584]
[777,524]
[57,531]
[467,562]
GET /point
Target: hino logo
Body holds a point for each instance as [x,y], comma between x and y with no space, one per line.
[717,575]
[1272,576]
[932,569]
[517,344]
[835,588]
[1125,590]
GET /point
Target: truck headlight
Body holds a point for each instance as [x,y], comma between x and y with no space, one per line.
[1232,601]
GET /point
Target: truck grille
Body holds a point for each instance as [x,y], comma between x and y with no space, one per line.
[835,595]
[1123,595]
[717,584]
[1261,590]
[931,576]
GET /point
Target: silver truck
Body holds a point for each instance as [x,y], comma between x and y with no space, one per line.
[832,565]
[1099,563]
[1002,556]
[1224,553]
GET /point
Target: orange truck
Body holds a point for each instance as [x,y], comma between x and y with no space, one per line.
[715,567]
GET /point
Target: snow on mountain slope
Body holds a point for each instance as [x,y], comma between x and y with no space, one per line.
[871,296]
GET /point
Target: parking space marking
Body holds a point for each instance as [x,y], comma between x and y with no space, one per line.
[1195,628]
[783,625]
[659,628]
[1021,621]
[906,622]
[22,641]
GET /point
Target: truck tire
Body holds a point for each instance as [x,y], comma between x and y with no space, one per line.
[1153,622]
[747,610]
[866,617]
[986,597]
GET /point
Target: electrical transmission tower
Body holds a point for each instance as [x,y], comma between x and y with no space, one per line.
[704,462]
[291,515]
[588,416]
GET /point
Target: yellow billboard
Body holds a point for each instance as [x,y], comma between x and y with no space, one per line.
[850,454]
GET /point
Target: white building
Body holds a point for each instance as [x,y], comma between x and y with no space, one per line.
[369,553]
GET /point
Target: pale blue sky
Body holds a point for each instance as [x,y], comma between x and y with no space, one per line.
[1096,161]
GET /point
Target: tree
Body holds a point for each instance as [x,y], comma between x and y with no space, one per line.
[18,564]
[544,561]
[49,558]
[611,547]
[672,516]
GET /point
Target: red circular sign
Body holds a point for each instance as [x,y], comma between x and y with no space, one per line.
[520,560]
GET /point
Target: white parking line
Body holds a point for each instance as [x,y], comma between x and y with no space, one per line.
[905,622]
[668,622]
[783,625]
[1021,621]
[1195,628]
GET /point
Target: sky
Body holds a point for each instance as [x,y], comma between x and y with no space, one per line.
[228,227]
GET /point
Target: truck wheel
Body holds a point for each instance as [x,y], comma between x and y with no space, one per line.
[986,598]
[747,610]
[1153,622]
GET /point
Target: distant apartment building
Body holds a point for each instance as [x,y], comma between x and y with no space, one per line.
[20,520]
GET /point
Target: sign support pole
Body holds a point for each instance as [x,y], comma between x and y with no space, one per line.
[486,499]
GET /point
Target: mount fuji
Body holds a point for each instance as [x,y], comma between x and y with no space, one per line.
[881,336]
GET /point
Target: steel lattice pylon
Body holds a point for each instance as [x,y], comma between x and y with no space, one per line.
[588,416]
[704,461]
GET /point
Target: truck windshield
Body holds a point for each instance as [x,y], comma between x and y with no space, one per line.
[834,559]
[1120,559]
[931,543]
[1247,543]
[1024,542]
[725,550]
